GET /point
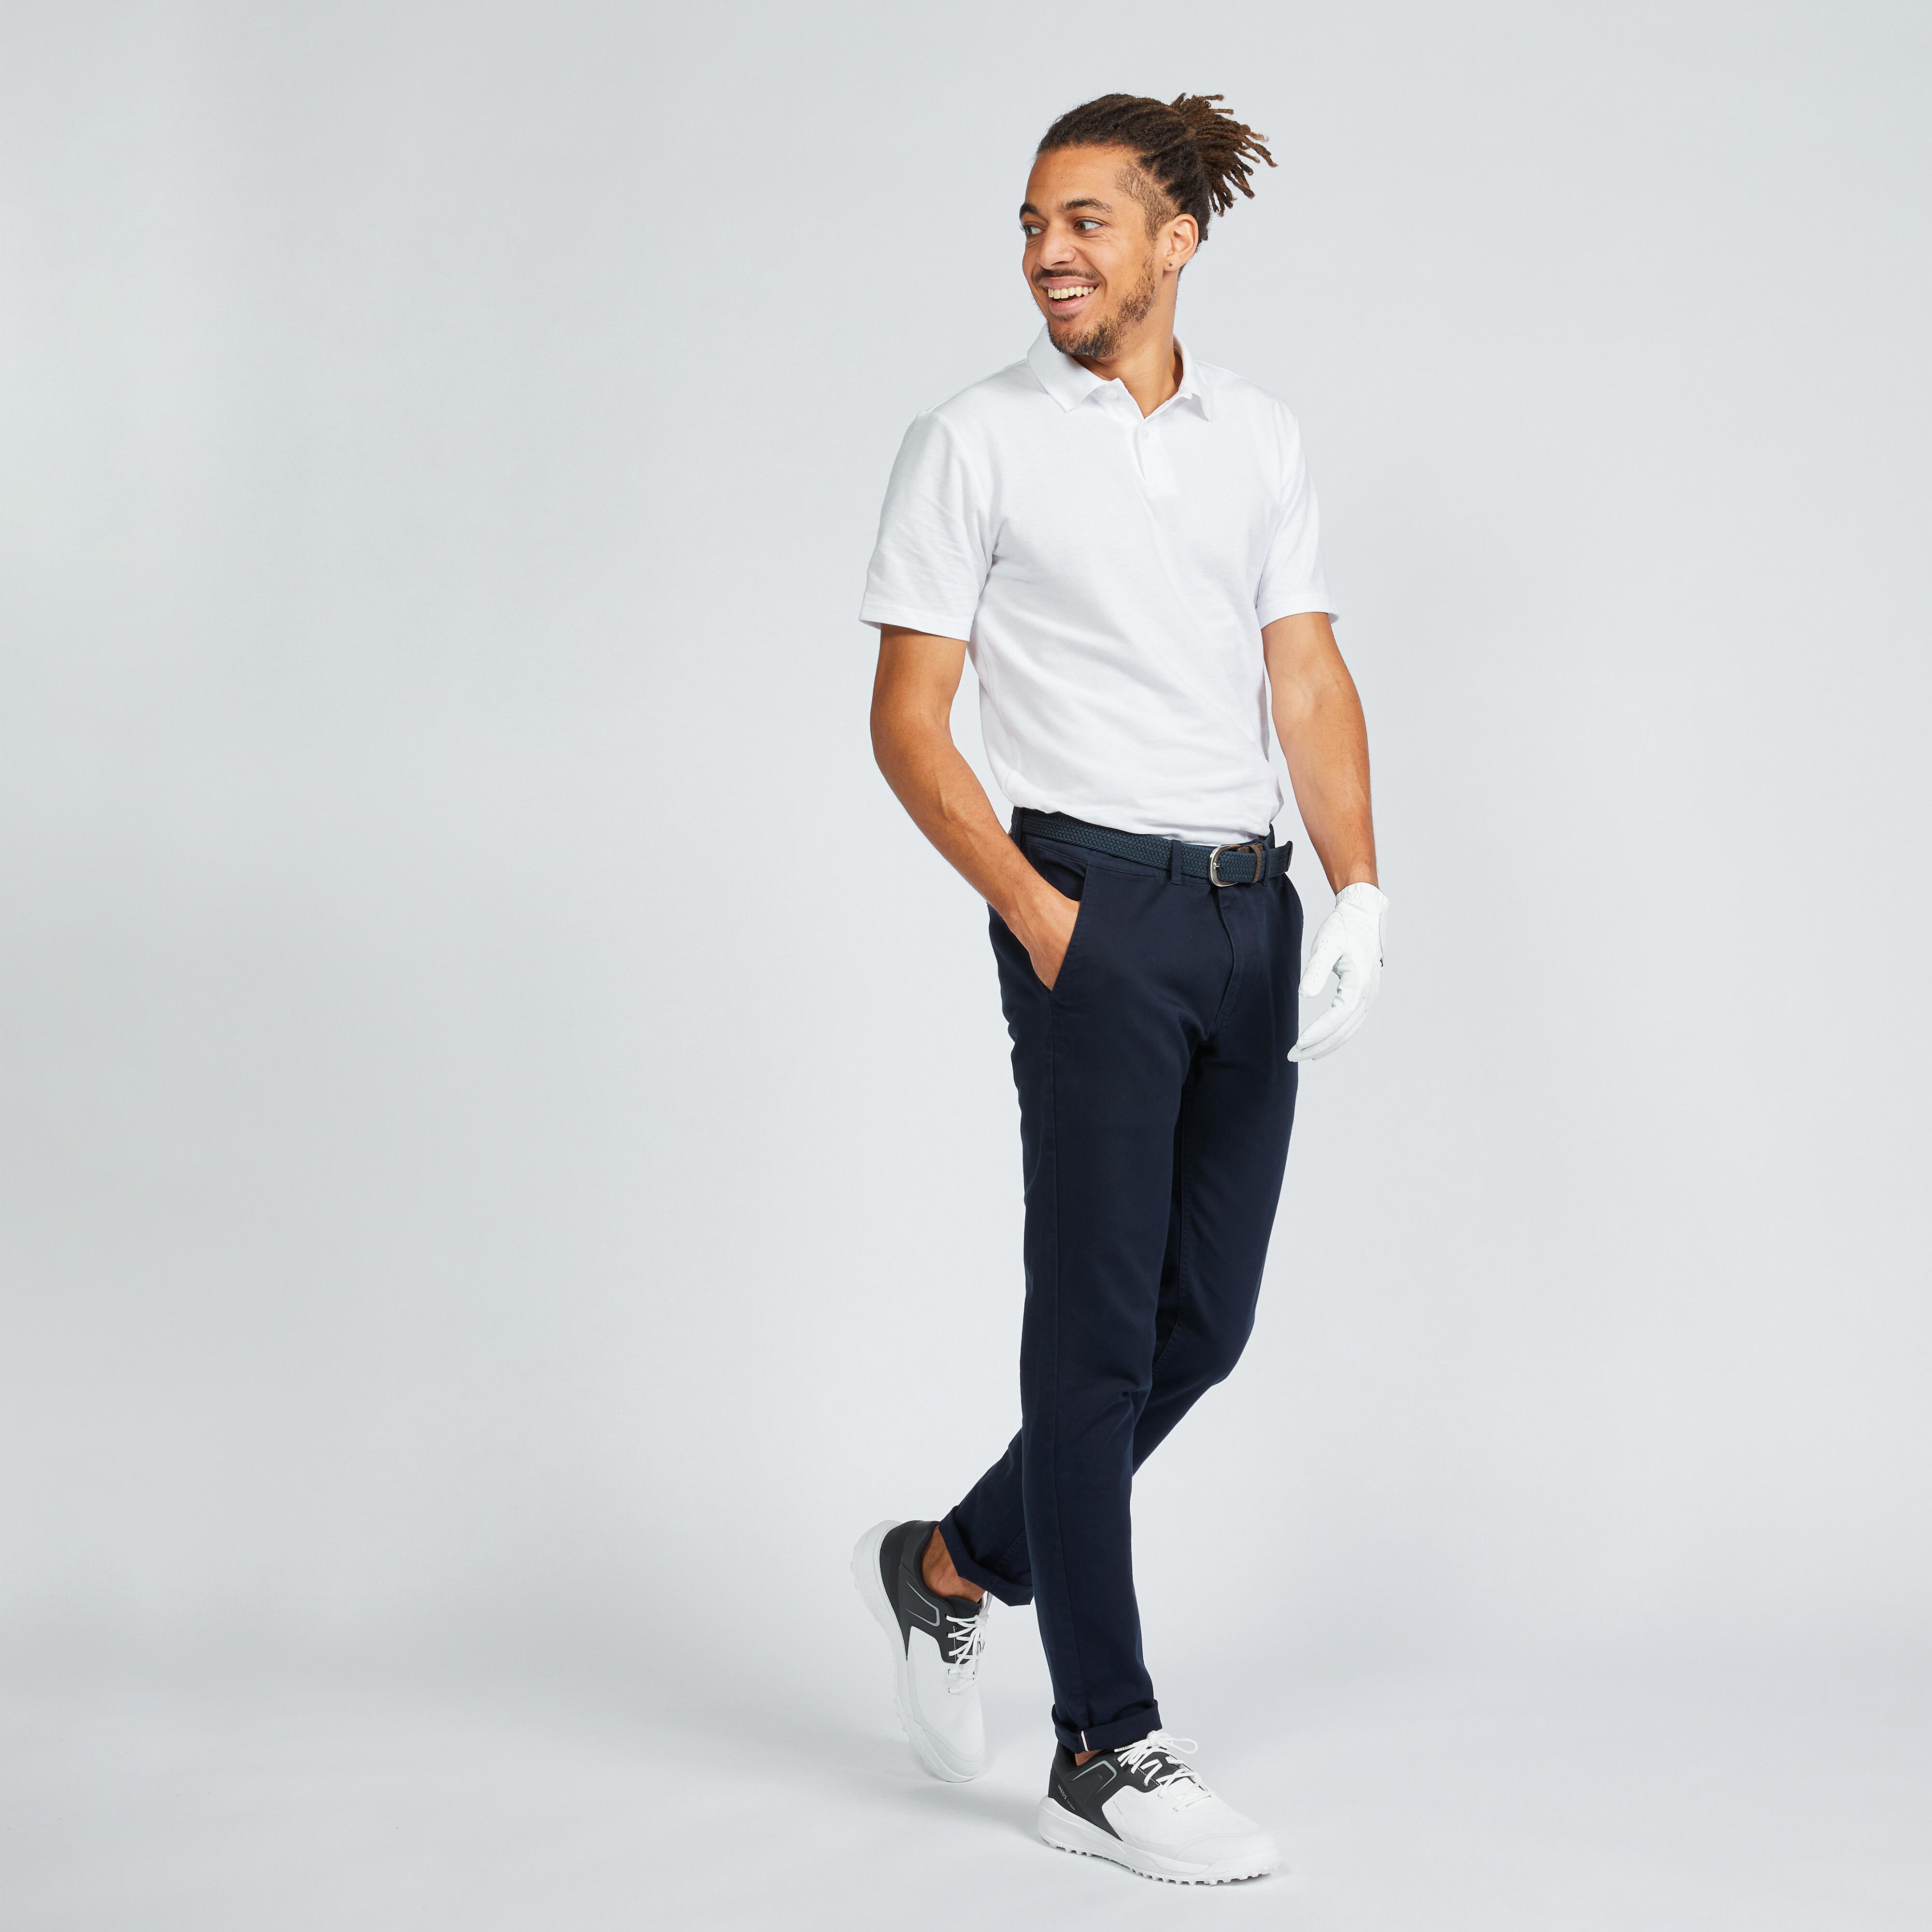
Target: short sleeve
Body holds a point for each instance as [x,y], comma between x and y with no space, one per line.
[1292,579]
[931,561]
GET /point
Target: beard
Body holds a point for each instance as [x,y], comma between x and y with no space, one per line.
[1103,338]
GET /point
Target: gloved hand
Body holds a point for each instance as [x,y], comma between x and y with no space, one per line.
[1349,943]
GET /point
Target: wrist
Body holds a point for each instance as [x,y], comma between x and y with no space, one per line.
[1038,913]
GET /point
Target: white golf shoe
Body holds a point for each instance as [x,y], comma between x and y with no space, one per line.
[1141,1805]
[936,1643]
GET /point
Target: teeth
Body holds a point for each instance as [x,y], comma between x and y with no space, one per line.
[1067,295]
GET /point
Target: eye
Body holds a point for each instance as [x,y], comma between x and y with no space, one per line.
[1086,224]
[1029,228]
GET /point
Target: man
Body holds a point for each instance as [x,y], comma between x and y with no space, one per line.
[1124,540]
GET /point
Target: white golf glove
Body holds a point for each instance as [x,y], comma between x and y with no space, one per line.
[1348,943]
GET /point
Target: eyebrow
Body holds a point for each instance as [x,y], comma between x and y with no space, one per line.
[1078,201]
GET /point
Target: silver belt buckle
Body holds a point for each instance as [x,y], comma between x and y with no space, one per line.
[1261,864]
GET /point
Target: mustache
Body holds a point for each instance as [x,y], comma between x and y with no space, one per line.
[1042,277]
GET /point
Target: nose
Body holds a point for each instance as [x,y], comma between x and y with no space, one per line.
[1056,251]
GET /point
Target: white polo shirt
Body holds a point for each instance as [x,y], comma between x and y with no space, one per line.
[1110,575]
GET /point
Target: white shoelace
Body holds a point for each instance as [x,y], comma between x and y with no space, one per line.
[1160,1752]
[968,1638]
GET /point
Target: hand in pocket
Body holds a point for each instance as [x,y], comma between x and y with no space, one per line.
[1050,934]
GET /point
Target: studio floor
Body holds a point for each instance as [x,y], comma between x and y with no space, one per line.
[226,1797]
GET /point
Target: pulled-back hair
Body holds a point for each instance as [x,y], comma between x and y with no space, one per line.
[1196,153]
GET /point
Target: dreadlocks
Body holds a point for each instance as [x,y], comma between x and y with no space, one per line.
[1195,153]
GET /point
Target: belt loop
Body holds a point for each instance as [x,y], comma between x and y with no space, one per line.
[1174,874]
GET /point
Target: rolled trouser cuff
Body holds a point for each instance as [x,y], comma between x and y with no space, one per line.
[1109,1737]
[994,1584]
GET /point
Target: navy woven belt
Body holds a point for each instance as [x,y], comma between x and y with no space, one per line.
[1219,865]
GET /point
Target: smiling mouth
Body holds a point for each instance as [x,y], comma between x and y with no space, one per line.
[1070,292]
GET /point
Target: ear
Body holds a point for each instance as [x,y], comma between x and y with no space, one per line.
[1181,237]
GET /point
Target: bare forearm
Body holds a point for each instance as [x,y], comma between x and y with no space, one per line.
[948,803]
[1326,743]
[1317,719]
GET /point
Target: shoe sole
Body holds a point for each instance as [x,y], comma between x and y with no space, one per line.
[1065,1833]
[866,1580]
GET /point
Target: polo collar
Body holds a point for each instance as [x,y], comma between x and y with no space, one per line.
[1060,376]
[1194,382]
[1069,384]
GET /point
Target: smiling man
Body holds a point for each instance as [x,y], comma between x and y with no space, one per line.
[1123,539]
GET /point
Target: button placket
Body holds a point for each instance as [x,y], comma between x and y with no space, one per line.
[1157,472]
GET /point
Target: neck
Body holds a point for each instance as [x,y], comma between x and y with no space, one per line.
[1148,364]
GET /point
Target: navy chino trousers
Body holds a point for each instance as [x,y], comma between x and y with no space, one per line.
[1156,1101]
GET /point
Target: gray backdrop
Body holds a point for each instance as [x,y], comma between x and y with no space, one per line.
[510,1163]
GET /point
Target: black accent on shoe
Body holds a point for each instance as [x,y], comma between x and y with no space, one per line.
[902,1558]
[1082,1788]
